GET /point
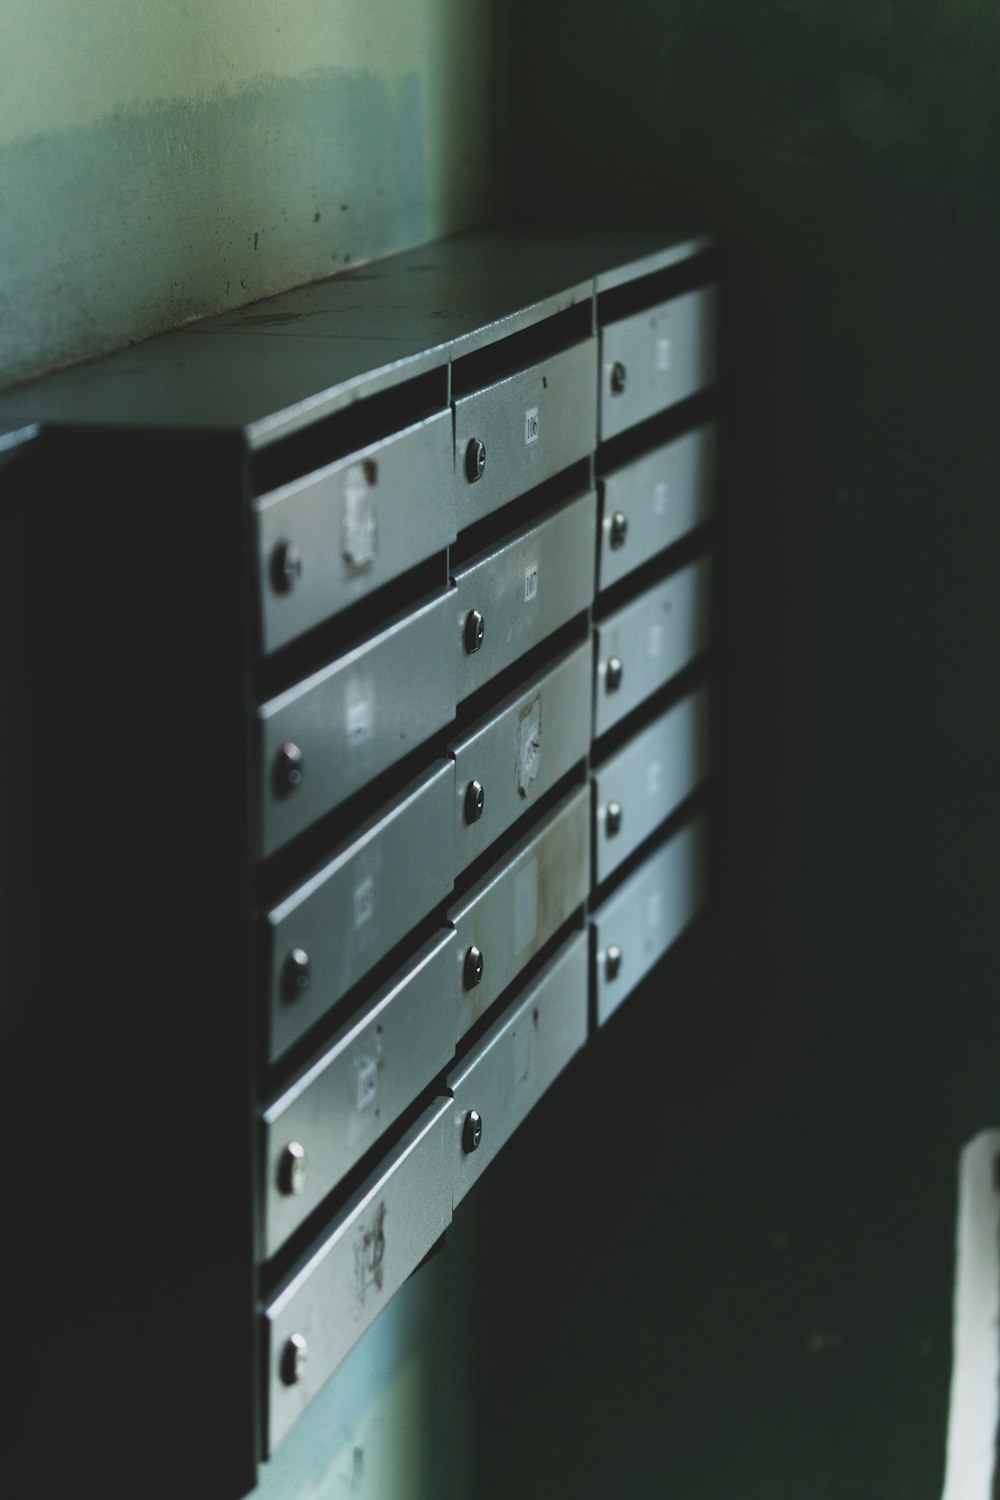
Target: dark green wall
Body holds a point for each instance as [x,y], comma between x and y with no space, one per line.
[744,1255]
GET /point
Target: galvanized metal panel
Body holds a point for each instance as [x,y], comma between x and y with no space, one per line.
[661,496]
[355,718]
[371,1072]
[206,380]
[376,1243]
[647,779]
[533,424]
[511,913]
[520,259]
[359,905]
[657,357]
[525,588]
[521,749]
[275,368]
[652,638]
[635,927]
[457,295]
[520,1057]
[352,527]
[623,262]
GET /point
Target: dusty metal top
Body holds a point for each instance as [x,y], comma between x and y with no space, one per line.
[275,366]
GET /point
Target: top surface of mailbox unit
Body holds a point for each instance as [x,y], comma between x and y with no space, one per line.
[605,258]
[271,368]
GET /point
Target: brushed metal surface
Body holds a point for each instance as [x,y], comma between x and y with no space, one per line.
[662,495]
[525,588]
[648,778]
[348,914]
[511,913]
[452,296]
[521,749]
[380,1238]
[356,717]
[213,380]
[376,1065]
[648,913]
[669,352]
[525,259]
[274,368]
[520,1057]
[357,524]
[534,423]
[653,637]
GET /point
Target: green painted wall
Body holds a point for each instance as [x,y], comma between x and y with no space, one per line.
[161,163]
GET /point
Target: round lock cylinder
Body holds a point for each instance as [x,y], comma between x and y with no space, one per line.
[472,1131]
[619,529]
[295,975]
[288,769]
[613,961]
[475,629]
[612,819]
[475,801]
[475,460]
[292,1169]
[472,969]
[619,378]
[286,567]
[294,1358]
[613,673]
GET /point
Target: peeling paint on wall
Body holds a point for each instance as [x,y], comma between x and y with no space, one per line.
[121,222]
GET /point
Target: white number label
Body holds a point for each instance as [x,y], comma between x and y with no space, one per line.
[529,745]
[663,354]
[364,902]
[526,907]
[359,721]
[531,425]
[358,524]
[367,1082]
[661,494]
[530,582]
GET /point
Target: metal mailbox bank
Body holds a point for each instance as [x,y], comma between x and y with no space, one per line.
[365,745]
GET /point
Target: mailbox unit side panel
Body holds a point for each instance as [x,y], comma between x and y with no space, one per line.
[135,1259]
[22,695]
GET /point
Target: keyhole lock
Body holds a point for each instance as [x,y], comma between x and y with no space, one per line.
[294,1359]
[472,970]
[475,460]
[613,961]
[613,675]
[295,975]
[475,801]
[288,769]
[286,567]
[619,529]
[472,1131]
[613,819]
[475,629]
[619,378]
[292,1171]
